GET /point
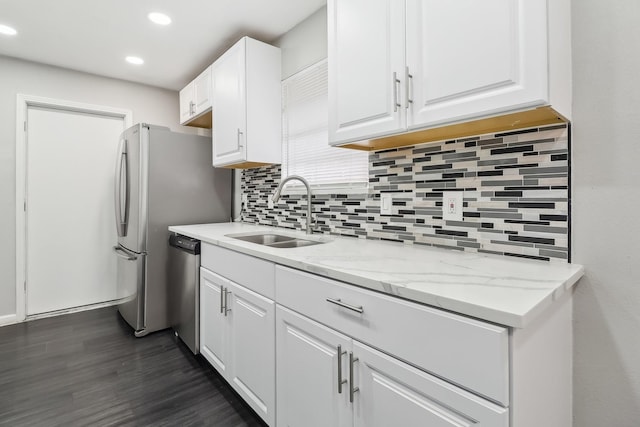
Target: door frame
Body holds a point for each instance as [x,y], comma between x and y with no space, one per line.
[22,105]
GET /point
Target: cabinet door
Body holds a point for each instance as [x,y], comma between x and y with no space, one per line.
[202,88]
[229,106]
[187,106]
[307,366]
[252,349]
[213,323]
[471,58]
[366,69]
[392,393]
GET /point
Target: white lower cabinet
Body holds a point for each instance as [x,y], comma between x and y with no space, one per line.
[213,323]
[328,379]
[308,363]
[238,339]
[393,393]
[350,357]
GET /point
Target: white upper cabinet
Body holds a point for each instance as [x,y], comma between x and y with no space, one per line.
[230,121]
[195,101]
[469,58]
[247,105]
[366,68]
[416,64]
[202,91]
[187,106]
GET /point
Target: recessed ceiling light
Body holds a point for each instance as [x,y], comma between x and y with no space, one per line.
[134,60]
[6,30]
[159,18]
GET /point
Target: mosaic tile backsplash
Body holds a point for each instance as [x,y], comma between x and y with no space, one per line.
[515,184]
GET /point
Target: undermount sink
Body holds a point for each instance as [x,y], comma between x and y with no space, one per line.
[295,243]
[263,239]
[275,240]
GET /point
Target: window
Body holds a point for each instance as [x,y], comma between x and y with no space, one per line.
[305,145]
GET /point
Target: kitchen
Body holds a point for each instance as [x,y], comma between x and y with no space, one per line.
[604,37]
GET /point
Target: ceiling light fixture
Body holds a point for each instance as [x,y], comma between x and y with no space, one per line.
[134,60]
[7,30]
[159,18]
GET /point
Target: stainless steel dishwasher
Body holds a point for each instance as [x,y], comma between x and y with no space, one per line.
[184,289]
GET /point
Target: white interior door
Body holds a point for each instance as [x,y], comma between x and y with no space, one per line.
[70,231]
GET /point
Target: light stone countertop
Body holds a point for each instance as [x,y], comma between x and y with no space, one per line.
[503,290]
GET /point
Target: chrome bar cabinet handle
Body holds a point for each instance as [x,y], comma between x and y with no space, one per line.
[340,380]
[352,390]
[396,88]
[240,133]
[221,299]
[226,301]
[409,87]
[338,301]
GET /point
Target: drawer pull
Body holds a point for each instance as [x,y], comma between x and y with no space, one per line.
[340,380]
[337,301]
[352,389]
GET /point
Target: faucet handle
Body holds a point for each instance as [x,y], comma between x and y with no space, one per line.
[314,223]
[310,226]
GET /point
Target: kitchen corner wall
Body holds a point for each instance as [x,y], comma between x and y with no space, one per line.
[516,197]
[148,104]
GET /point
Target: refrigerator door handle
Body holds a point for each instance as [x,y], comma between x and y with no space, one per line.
[122,163]
[124,254]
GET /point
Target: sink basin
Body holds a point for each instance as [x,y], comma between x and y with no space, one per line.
[295,243]
[264,239]
[274,240]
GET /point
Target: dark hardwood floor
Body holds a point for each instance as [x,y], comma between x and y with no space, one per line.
[87,369]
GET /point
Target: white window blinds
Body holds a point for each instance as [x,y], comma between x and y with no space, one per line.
[305,147]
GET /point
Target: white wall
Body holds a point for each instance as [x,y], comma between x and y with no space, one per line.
[606,227]
[149,104]
[302,46]
[305,44]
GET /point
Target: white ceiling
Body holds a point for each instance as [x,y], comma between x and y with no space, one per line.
[95,36]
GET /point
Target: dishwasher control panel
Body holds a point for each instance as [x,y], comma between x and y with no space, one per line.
[185,243]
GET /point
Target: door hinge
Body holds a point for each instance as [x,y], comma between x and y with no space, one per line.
[25,125]
[24,205]
[25,286]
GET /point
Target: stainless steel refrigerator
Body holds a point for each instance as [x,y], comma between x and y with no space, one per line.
[162,178]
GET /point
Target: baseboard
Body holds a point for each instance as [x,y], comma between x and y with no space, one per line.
[8,319]
[71,310]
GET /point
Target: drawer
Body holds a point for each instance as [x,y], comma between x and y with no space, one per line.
[250,272]
[465,351]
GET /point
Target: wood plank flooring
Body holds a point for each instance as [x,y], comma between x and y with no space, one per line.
[87,369]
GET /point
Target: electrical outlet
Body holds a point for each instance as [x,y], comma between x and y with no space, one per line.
[452,204]
[386,202]
[270,202]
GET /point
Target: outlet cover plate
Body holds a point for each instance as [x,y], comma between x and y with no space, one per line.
[386,202]
[452,203]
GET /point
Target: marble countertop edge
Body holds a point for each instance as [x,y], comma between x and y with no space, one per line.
[456,281]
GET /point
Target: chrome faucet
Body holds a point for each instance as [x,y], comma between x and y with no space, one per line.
[276,197]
